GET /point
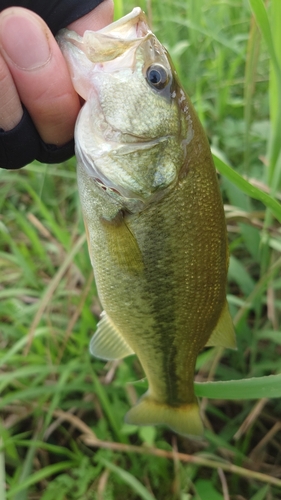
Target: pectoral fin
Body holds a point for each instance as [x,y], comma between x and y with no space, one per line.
[108,343]
[122,244]
[223,335]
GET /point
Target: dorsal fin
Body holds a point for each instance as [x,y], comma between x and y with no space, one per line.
[223,335]
[108,343]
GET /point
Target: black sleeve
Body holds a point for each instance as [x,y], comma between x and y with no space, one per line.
[23,144]
[56,13]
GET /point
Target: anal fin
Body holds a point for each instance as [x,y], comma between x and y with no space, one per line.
[223,334]
[108,343]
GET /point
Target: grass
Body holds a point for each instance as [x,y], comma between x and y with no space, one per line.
[62,433]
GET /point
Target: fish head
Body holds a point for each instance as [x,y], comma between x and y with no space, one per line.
[132,131]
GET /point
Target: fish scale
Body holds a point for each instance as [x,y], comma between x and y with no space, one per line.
[153,215]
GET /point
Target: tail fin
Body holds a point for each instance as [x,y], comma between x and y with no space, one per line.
[183,419]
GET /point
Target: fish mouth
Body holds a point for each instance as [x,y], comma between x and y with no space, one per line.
[136,20]
[112,41]
[109,42]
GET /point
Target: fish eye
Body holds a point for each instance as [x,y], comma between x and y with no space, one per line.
[157,76]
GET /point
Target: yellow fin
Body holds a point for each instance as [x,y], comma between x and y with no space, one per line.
[183,419]
[123,244]
[223,335]
[107,343]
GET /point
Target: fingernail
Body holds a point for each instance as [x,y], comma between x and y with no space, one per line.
[23,38]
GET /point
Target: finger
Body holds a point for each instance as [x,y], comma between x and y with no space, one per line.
[40,74]
[95,20]
[10,106]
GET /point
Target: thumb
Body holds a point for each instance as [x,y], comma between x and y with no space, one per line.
[40,74]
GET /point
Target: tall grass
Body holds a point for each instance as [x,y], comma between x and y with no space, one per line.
[62,433]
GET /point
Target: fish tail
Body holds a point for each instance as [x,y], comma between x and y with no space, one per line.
[184,419]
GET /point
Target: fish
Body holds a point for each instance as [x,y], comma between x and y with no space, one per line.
[153,214]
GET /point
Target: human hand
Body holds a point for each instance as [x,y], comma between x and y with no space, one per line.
[34,72]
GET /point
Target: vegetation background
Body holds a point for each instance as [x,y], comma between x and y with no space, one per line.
[62,433]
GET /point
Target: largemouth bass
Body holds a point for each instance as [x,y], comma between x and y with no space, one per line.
[153,215]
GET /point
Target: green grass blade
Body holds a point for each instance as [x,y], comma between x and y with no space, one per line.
[42,392]
[253,52]
[221,39]
[61,234]
[39,476]
[26,470]
[239,274]
[2,474]
[270,335]
[260,14]
[61,383]
[54,283]
[276,35]
[107,407]
[27,371]
[247,188]
[24,262]
[252,388]
[275,94]
[53,170]
[128,479]
[20,344]
[261,494]
[118,9]
[59,450]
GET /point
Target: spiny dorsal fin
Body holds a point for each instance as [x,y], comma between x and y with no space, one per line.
[107,343]
[223,335]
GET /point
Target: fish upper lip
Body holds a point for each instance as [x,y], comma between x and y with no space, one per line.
[136,15]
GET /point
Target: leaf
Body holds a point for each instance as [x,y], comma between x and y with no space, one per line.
[261,494]
[206,491]
[251,388]
[261,16]
[247,188]
[276,35]
[238,273]
[271,335]
[237,198]
[53,448]
[148,435]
